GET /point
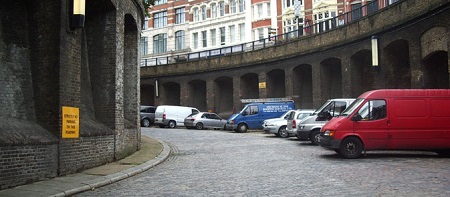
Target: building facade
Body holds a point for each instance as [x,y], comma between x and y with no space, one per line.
[178,27]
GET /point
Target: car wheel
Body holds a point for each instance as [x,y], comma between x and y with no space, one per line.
[276,134]
[145,122]
[242,128]
[283,132]
[172,124]
[199,126]
[351,148]
[315,137]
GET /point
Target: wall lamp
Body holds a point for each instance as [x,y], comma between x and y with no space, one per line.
[374,41]
[156,88]
[78,13]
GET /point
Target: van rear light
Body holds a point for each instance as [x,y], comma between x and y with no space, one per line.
[164,116]
[294,124]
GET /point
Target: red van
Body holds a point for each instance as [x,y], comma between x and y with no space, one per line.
[400,119]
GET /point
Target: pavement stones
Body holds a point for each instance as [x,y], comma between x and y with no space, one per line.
[152,153]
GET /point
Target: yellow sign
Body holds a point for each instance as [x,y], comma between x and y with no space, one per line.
[70,122]
[262,85]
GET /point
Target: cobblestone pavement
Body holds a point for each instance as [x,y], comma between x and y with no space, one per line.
[222,163]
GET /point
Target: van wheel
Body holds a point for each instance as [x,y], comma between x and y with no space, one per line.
[145,122]
[314,137]
[351,148]
[242,128]
[443,153]
[282,132]
[199,126]
[172,124]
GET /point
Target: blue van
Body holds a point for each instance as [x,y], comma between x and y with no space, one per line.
[253,114]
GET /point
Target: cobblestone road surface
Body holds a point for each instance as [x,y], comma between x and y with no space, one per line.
[221,163]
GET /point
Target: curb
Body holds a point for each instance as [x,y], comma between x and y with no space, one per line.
[112,178]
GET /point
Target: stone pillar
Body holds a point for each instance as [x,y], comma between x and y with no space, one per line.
[316,85]
[415,64]
[184,94]
[237,93]
[262,77]
[210,95]
[346,77]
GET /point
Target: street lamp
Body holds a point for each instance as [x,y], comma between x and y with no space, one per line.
[374,43]
[78,13]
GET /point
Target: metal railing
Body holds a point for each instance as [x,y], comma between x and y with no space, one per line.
[307,29]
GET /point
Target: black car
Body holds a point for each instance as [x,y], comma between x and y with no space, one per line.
[147,115]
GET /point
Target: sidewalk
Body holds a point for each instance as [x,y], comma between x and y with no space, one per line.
[152,153]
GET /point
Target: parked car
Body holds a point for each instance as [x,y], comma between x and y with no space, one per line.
[294,118]
[277,126]
[172,116]
[147,115]
[391,119]
[254,113]
[204,120]
[310,126]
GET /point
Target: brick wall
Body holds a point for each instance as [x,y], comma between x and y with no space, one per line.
[46,65]
[28,163]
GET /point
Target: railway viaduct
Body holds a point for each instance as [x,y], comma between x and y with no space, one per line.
[413,39]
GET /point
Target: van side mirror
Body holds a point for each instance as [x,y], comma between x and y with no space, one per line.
[356,118]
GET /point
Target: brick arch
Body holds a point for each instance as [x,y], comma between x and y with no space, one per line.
[396,60]
[331,78]
[362,72]
[302,86]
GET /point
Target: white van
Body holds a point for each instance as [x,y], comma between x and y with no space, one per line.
[171,116]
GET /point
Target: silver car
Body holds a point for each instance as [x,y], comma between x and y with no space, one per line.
[277,126]
[204,120]
[294,119]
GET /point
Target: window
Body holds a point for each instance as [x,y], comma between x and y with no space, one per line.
[241,5]
[213,37]
[159,2]
[268,9]
[232,6]
[232,34]
[145,27]
[195,40]
[372,7]
[144,45]
[222,8]
[373,110]
[288,3]
[261,34]
[160,43]
[204,41]
[204,13]
[242,32]
[251,110]
[214,10]
[222,35]
[196,14]
[180,16]
[179,40]
[160,19]
[356,11]
[260,10]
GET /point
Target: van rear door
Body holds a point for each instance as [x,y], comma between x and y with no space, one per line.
[372,124]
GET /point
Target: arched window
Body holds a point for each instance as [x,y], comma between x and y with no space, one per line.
[232,6]
[222,8]
[241,5]
[179,40]
[160,43]
[203,9]
[196,14]
[213,10]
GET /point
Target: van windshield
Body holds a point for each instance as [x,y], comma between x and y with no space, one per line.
[321,108]
[350,109]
